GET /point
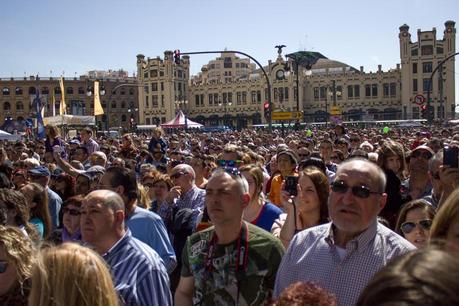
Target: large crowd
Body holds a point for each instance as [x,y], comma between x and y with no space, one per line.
[323,216]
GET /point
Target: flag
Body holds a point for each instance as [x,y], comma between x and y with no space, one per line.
[98,110]
[38,109]
[62,107]
[54,104]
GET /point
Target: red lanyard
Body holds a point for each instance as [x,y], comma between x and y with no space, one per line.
[245,251]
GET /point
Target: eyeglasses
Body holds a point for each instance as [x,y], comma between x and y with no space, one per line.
[228,163]
[71,211]
[3,266]
[409,226]
[178,174]
[358,191]
[423,154]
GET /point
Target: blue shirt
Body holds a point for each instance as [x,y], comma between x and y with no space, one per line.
[139,275]
[54,205]
[268,214]
[149,228]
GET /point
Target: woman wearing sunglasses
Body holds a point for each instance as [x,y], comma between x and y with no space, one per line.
[16,261]
[414,222]
[71,221]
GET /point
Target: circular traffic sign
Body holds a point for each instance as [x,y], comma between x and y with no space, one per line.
[419,99]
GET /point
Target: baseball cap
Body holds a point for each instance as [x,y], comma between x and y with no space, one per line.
[40,171]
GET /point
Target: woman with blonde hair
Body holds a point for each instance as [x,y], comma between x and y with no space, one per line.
[71,275]
[37,198]
[445,226]
[16,262]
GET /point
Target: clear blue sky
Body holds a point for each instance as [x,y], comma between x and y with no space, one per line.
[77,36]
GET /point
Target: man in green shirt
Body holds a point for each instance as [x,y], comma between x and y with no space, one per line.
[233,262]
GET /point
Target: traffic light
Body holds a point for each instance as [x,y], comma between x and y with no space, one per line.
[424,112]
[177,57]
[267,110]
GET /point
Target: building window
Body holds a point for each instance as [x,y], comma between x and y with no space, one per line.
[427,67]
[81,91]
[415,85]
[339,92]
[145,75]
[57,90]
[275,94]
[6,106]
[316,93]
[69,90]
[368,90]
[162,86]
[113,106]
[45,91]
[196,98]
[227,63]
[374,90]
[393,89]
[439,50]
[259,95]
[414,52]
[145,89]
[211,99]
[238,98]
[254,96]
[19,106]
[415,67]
[131,91]
[350,91]
[386,90]
[244,97]
[425,84]
[230,97]
[225,99]
[18,91]
[154,101]
[154,86]
[147,121]
[123,118]
[285,93]
[32,91]
[147,103]
[215,98]
[162,100]
[154,73]
[427,50]
[6,91]
[161,73]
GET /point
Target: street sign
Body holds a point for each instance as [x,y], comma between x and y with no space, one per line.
[419,99]
[286,115]
[335,110]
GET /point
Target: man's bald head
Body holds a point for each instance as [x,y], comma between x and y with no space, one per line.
[108,198]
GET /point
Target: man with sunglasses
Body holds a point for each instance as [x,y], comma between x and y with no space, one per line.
[342,256]
[418,185]
[233,262]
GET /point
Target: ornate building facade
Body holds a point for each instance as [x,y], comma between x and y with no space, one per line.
[230,90]
[120,106]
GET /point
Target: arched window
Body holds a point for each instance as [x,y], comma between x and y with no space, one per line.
[32,91]
[113,105]
[45,91]
[57,90]
[123,118]
[6,106]
[81,91]
[70,90]
[18,90]
[131,91]
[6,91]
[123,105]
[19,106]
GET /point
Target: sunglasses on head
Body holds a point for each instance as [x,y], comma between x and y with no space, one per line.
[228,163]
[358,191]
[71,211]
[232,171]
[178,174]
[423,154]
[409,226]
[3,266]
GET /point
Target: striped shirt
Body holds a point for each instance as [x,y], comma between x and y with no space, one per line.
[139,274]
[313,256]
[192,199]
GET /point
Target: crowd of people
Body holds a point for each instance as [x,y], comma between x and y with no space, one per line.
[329,216]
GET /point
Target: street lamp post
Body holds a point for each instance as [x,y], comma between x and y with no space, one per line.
[133,112]
[181,103]
[90,91]
[224,104]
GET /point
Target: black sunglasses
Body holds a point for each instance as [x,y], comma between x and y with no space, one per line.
[71,211]
[409,226]
[3,266]
[358,191]
[228,163]
[177,175]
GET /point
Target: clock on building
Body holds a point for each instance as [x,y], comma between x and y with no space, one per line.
[280,74]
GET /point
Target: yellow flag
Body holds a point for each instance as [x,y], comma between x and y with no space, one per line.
[54,104]
[98,110]
[62,107]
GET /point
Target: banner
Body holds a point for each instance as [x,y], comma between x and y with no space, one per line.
[38,109]
[98,110]
[63,106]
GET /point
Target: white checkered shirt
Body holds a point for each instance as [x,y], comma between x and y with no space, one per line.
[312,256]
